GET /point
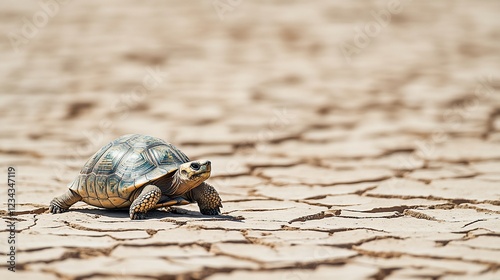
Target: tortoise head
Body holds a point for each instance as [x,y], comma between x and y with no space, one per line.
[193,173]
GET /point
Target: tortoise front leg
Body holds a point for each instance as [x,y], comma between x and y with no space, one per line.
[62,203]
[147,200]
[207,197]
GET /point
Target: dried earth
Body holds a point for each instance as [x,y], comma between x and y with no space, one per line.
[337,154]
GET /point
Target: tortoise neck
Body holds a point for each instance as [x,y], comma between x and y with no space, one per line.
[175,184]
[172,184]
[166,184]
[179,184]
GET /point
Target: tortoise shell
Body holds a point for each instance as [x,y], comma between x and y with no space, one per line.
[113,173]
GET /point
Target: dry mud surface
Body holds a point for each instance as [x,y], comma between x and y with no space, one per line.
[338,155]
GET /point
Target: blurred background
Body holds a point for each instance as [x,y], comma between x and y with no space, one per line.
[282,81]
[326,122]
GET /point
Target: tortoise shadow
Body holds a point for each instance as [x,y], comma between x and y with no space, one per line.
[157,214]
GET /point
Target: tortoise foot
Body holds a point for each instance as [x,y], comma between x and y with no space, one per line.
[210,212]
[55,209]
[146,201]
[137,216]
[62,203]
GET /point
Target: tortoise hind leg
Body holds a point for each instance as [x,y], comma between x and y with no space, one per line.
[147,200]
[207,197]
[62,203]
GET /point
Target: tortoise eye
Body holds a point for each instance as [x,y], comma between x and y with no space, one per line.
[195,166]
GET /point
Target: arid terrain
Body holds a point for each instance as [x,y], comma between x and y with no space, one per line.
[348,139]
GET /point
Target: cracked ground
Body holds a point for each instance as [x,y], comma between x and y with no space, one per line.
[336,158]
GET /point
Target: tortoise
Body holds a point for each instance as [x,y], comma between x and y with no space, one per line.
[142,173]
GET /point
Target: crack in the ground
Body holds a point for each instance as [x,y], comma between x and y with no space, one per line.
[41,209]
[431,197]
[330,231]
[374,180]
[391,254]
[264,198]
[363,191]
[317,216]
[473,222]
[206,272]
[478,209]
[80,227]
[35,220]
[418,215]
[394,215]
[490,123]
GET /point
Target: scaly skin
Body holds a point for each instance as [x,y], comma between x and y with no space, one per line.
[147,200]
[62,203]
[207,197]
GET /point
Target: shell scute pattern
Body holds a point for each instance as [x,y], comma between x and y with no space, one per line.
[124,188]
[94,201]
[111,185]
[158,172]
[90,164]
[167,156]
[117,202]
[136,164]
[100,182]
[90,186]
[110,160]
[99,189]
[135,140]
[78,184]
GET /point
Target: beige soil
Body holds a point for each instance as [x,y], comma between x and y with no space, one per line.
[338,154]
